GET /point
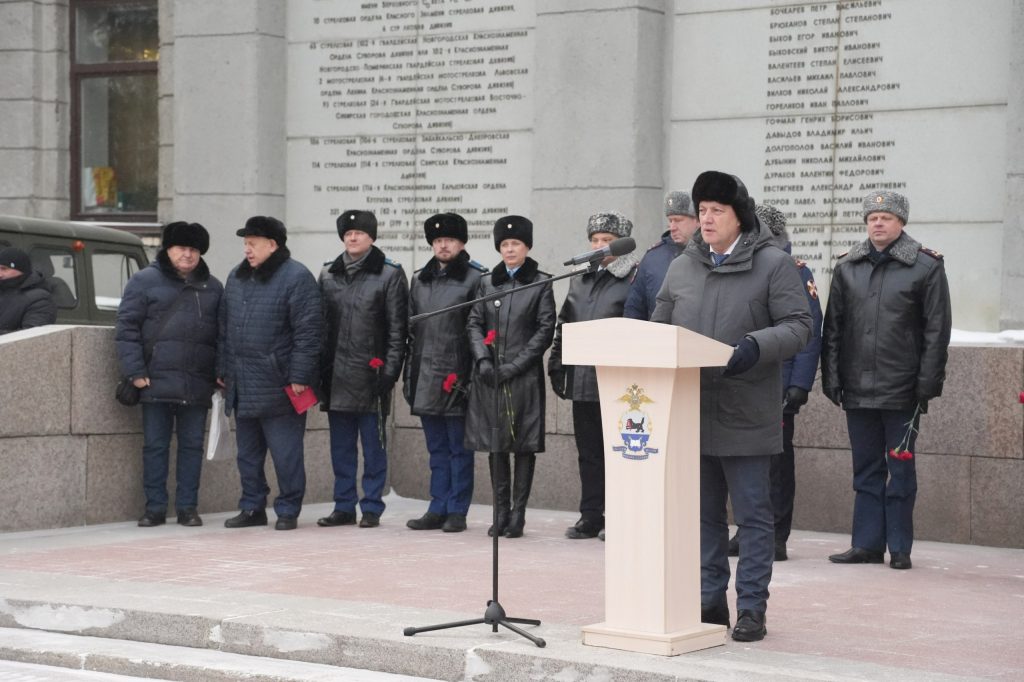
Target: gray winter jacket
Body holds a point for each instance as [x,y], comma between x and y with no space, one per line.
[592,296]
[439,345]
[367,310]
[757,293]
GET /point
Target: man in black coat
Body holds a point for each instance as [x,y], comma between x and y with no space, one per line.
[366,301]
[600,293]
[166,338]
[271,325]
[25,300]
[438,368]
[883,358]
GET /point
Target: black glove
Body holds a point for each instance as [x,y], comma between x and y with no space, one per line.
[506,372]
[558,384]
[796,398]
[485,371]
[743,358]
[835,394]
[385,383]
[922,403]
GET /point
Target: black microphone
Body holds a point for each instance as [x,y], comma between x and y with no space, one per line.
[619,247]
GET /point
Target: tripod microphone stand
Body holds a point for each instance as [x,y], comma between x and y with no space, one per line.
[494,615]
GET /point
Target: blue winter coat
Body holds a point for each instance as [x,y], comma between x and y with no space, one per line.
[270,329]
[181,368]
[801,369]
[643,292]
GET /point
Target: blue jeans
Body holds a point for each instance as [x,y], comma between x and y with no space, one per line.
[346,429]
[747,481]
[886,488]
[283,436]
[451,465]
[158,423]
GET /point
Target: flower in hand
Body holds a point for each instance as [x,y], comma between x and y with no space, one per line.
[376,363]
[902,451]
[491,336]
[451,383]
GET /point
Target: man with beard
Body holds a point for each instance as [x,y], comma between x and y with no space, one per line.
[438,368]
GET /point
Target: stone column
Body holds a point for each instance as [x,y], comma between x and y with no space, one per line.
[228,129]
[1011,308]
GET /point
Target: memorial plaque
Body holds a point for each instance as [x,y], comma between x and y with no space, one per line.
[407,108]
[816,105]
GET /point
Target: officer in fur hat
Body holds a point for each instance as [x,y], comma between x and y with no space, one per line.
[508,337]
[438,369]
[166,340]
[888,307]
[733,284]
[597,294]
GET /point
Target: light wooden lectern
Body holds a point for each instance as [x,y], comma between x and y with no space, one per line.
[648,376]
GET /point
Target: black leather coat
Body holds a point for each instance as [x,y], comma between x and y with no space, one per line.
[439,346]
[525,324]
[886,335]
[367,310]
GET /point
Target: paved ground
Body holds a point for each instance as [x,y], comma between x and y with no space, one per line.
[343,596]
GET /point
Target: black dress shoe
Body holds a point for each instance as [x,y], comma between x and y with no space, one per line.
[856,555]
[189,517]
[780,551]
[715,615]
[246,518]
[369,520]
[337,518]
[151,518]
[900,560]
[286,523]
[584,530]
[455,523]
[749,626]
[734,545]
[429,521]
[600,536]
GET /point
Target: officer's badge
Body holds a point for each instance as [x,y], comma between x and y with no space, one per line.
[635,426]
[812,289]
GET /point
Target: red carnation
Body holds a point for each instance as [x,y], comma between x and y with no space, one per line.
[489,339]
[449,382]
[1022,396]
[376,363]
[901,454]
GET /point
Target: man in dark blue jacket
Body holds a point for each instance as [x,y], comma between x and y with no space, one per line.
[166,338]
[270,329]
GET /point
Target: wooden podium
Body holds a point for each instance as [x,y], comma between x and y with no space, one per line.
[648,376]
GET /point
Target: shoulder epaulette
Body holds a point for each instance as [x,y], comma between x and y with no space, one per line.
[655,245]
[843,255]
[931,252]
[800,263]
[328,263]
[477,266]
[392,263]
[543,274]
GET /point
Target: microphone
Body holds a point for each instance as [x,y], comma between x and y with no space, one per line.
[619,247]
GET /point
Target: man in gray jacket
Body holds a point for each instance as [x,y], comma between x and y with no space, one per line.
[733,284]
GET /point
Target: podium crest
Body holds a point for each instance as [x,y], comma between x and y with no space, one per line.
[635,426]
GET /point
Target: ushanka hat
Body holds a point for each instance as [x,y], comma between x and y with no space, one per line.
[890,202]
[679,203]
[729,190]
[513,227]
[265,226]
[181,233]
[773,219]
[16,259]
[610,222]
[450,225]
[365,221]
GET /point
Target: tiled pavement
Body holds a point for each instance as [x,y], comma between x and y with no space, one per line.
[352,590]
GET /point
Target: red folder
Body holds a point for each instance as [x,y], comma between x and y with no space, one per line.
[303,401]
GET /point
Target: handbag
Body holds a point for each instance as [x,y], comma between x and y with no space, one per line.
[219,443]
[127,393]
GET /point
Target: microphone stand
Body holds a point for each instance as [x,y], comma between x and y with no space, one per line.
[494,615]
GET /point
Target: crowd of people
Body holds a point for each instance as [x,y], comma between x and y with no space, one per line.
[475,375]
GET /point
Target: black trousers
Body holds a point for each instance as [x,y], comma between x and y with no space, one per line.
[784,481]
[586,422]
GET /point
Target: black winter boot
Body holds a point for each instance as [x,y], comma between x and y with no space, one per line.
[525,462]
[501,482]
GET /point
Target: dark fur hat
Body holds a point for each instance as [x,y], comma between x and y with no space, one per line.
[365,221]
[265,226]
[446,225]
[513,227]
[725,189]
[181,233]
[16,259]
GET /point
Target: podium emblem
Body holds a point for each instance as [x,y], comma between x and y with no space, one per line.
[635,426]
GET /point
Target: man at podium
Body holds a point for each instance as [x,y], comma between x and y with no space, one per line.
[733,284]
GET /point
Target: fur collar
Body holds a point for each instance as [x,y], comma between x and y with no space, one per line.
[524,275]
[623,266]
[373,263]
[200,274]
[264,272]
[456,268]
[903,250]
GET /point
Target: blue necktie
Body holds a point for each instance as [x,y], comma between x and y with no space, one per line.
[718,260]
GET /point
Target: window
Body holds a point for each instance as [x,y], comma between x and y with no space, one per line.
[111,271]
[58,269]
[115,48]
